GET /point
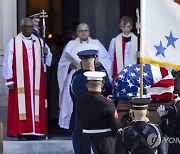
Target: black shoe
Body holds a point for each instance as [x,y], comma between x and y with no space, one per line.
[22,138]
[29,137]
[34,137]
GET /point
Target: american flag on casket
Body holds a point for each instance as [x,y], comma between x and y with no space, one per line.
[158,83]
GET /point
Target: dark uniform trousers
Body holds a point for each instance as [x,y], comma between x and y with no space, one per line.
[103,143]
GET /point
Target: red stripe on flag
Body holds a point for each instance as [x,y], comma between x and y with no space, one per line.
[164,83]
[164,72]
[164,96]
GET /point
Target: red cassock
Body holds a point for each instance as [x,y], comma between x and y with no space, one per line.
[16,126]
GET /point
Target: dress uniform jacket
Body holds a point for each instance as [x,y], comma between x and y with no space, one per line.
[170,126]
[97,115]
[139,138]
[78,86]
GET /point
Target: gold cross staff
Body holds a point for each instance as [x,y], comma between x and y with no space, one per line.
[43,15]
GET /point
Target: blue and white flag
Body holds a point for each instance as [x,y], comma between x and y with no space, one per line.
[160,33]
[158,82]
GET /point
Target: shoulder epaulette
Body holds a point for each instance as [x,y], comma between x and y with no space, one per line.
[122,129]
[105,98]
[152,124]
[127,127]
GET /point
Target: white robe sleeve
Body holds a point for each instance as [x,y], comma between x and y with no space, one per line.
[111,53]
[63,66]
[104,58]
[48,56]
[64,79]
[7,71]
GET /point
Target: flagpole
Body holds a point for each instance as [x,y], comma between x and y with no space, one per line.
[138,58]
[44,15]
[138,34]
[141,80]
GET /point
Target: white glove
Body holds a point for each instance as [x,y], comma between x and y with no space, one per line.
[110,97]
[161,110]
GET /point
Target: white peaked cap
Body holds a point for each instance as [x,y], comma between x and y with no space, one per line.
[87,46]
[94,75]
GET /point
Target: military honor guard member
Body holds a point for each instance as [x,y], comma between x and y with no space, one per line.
[98,116]
[88,54]
[139,137]
[170,119]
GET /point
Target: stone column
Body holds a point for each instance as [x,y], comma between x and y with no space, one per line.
[8,29]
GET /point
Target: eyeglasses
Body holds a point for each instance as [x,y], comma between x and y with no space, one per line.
[26,26]
[85,31]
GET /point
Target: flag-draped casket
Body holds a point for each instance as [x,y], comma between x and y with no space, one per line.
[158,83]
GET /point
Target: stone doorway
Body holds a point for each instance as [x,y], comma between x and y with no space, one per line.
[63,17]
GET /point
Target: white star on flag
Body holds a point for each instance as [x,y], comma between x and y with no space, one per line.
[121,76]
[125,70]
[130,85]
[137,69]
[145,74]
[133,74]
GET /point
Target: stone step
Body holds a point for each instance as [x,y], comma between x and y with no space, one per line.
[50,146]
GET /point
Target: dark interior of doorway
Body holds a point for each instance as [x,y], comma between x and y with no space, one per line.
[128,8]
[63,17]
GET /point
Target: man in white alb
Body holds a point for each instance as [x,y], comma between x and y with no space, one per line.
[69,63]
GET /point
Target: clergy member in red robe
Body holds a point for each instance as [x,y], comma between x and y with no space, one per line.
[123,48]
[24,74]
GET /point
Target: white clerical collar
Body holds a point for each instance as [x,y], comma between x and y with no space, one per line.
[27,38]
[124,35]
[137,120]
[84,41]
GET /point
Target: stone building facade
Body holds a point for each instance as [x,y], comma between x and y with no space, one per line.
[105,15]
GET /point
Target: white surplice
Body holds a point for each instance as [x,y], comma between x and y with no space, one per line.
[130,56]
[64,78]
